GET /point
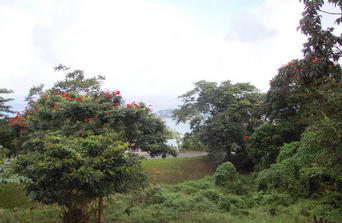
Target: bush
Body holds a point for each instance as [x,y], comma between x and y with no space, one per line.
[304,168]
[282,176]
[287,151]
[265,143]
[237,186]
[211,194]
[328,206]
[224,203]
[224,172]
[275,199]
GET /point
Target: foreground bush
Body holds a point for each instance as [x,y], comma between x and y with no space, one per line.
[225,172]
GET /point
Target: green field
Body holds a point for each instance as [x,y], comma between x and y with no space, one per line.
[177,170]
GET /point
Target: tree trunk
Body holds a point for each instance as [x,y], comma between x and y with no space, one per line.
[100,211]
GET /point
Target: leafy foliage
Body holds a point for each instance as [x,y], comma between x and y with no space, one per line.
[265,142]
[191,142]
[72,142]
[224,172]
[306,95]
[5,108]
[304,168]
[222,116]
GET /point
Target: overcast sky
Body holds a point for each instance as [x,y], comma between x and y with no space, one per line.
[150,50]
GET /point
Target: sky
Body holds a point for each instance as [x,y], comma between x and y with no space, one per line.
[150,50]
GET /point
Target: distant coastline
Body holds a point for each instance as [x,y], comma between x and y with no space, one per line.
[166,114]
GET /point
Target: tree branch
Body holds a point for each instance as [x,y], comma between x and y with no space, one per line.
[330,13]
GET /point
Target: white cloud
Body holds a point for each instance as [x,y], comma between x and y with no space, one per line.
[143,49]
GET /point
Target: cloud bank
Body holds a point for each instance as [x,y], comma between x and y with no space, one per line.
[148,50]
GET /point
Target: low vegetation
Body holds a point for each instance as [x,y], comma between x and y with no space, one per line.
[236,200]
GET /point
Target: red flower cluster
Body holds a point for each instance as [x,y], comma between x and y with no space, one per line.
[88,119]
[19,121]
[15,119]
[316,59]
[107,95]
[77,99]
[65,95]
[246,137]
[20,131]
[55,107]
[132,104]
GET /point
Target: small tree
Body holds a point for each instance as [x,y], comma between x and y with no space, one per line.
[72,143]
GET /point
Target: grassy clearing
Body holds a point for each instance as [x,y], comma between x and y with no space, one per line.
[177,170]
[13,196]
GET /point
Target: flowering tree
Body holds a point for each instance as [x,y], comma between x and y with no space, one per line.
[306,95]
[303,89]
[72,143]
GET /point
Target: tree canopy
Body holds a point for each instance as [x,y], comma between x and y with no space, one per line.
[72,141]
[223,116]
[307,94]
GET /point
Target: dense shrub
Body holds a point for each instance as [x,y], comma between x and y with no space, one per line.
[265,143]
[287,151]
[282,176]
[304,167]
[224,172]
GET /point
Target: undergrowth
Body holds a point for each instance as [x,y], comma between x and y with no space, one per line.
[199,201]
